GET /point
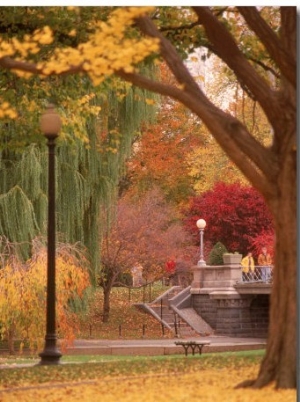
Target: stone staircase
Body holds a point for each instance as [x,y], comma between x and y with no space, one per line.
[173,310]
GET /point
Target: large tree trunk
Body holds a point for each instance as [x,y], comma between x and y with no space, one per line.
[279,364]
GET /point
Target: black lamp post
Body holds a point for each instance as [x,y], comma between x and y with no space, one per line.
[50,126]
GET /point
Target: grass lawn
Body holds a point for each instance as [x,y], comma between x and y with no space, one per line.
[251,355]
[209,377]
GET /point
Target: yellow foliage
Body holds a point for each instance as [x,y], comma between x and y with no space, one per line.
[150,101]
[106,51]
[72,32]
[23,298]
[29,45]
[22,74]
[6,110]
[208,165]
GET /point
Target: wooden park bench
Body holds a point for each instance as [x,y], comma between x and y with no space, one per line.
[192,345]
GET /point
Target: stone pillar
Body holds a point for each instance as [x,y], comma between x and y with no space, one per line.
[212,277]
[197,278]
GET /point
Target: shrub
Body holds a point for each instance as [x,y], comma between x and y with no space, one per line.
[216,254]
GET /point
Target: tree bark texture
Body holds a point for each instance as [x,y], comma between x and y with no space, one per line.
[279,364]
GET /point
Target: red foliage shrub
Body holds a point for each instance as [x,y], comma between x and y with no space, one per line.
[266,238]
[235,216]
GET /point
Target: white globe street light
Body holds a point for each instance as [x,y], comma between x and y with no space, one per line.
[201,225]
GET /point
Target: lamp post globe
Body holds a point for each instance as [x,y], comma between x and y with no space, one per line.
[50,124]
[201,224]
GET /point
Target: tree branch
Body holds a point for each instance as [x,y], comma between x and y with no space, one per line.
[288,33]
[179,27]
[281,54]
[234,58]
[169,54]
[11,64]
[265,67]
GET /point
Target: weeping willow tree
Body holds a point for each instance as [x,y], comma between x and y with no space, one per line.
[93,173]
[99,124]
[87,176]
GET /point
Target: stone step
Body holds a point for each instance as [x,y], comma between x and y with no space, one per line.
[187,321]
[195,321]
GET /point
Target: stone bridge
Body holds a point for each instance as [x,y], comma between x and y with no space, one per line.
[231,307]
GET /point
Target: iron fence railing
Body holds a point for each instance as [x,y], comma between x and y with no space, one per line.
[260,274]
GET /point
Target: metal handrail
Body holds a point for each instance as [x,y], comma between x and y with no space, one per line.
[260,274]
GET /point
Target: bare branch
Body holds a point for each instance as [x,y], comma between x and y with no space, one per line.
[265,67]
[179,27]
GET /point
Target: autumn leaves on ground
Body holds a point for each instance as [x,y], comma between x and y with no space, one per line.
[135,378]
[169,378]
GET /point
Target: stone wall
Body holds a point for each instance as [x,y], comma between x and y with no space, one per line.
[243,317]
[259,310]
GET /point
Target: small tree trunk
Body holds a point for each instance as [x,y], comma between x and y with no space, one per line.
[11,339]
[106,303]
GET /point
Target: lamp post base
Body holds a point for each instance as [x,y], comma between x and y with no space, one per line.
[50,355]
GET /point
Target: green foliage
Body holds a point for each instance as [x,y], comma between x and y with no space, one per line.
[216,254]
[124,278]
[17,221]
